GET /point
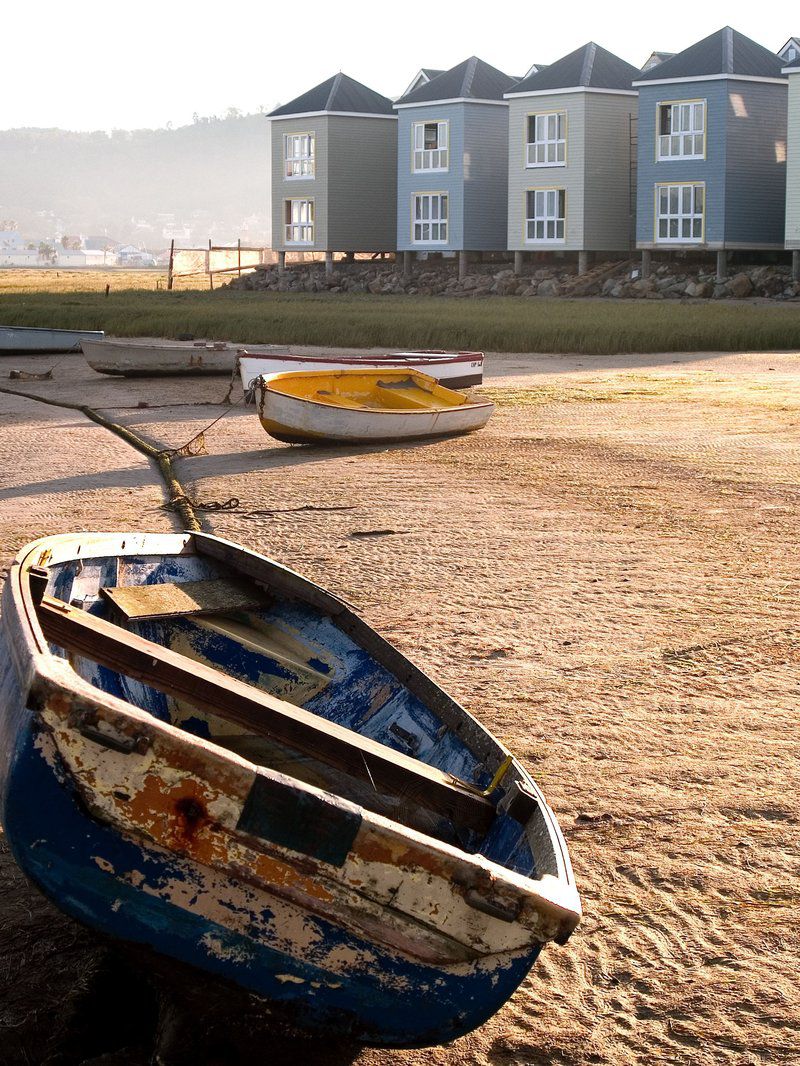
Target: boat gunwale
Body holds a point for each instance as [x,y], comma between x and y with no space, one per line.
[264,385]
[398,361]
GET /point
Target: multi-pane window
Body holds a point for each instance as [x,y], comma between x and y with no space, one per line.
[298,151]
[682,130]
[546,214]
[430,218]
[299,221]
[547,139]
[679,213]
[430,146]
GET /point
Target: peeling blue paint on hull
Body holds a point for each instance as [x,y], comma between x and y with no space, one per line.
[57,844]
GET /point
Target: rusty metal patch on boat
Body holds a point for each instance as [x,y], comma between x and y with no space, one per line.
[322,829]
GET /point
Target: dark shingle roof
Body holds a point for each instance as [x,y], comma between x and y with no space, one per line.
[471,80]
[590,67]
[725,52]
[338,93]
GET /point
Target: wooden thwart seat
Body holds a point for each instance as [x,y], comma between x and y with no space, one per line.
[167,600]
[201,686]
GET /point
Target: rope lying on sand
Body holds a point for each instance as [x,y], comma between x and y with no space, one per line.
[178,500]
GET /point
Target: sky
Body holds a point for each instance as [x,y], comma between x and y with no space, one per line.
[90,65]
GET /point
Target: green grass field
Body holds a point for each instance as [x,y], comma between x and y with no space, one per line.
[492,324]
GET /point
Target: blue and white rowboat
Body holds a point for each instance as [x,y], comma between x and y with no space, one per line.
[203,752]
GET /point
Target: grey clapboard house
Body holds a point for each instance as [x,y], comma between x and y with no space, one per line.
[712,149]
[791,54]
[334,171]
[452,163]
[570,185]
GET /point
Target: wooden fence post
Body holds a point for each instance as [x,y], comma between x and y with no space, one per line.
[171,263]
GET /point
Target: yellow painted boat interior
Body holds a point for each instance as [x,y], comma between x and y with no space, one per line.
[398,390]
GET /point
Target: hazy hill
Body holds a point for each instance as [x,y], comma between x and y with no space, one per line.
[211,175]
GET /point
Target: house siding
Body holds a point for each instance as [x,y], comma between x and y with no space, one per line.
[450,181]
[793,165]
[485,175]
[710,170]
[610,193]
[315,188]
[755,200]
[744,170]
[362,184]
[570,177]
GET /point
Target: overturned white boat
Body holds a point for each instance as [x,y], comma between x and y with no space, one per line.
[132,359]
[34,340]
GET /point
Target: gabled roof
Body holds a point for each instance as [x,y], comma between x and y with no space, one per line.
[337,94]
[471,80]
[589,67]
[534,68]
[725,53]
[422,77]
[790,54]
[656,58]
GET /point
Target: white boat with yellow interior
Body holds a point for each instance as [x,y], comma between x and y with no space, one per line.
[364,407]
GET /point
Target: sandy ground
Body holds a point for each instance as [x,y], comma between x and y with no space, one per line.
[608,576]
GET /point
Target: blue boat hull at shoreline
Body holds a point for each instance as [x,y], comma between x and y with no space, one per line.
[270,914]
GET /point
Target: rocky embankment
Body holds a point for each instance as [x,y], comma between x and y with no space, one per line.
[668,281]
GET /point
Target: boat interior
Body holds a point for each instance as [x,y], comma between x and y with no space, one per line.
[398,390]
[267,669]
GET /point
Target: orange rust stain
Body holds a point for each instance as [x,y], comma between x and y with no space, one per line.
[176,815]
[398,853]
[274,872]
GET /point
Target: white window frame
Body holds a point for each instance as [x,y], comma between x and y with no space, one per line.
[549,146]
[547,222]
[298,156]
[430,159]
[298,221]
[686,138]
[682,214]
[426,211]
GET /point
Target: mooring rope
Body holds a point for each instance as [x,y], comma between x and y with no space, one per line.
[178,499]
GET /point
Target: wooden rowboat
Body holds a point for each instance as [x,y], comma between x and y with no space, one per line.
[131,359]
[34,341]
[455,370]
[205,753]
[364,407]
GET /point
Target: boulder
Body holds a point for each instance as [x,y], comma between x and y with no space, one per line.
[740,286]
[699,290]
[548,287]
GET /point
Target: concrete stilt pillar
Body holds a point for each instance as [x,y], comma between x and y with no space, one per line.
[583,262]
[329,262]
[647,262]
[518,262]
[407,264]
[463,264]
[722,264]
[795,266]
[281,262]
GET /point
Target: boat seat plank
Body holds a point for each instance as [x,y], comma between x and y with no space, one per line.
[395,398]
[208,689]
[169,600]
